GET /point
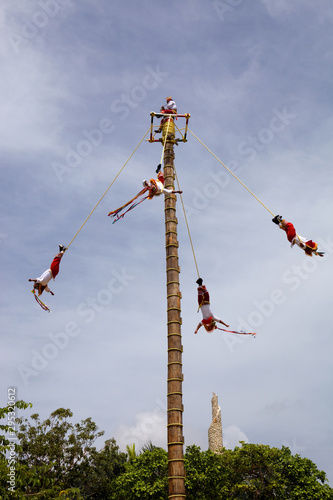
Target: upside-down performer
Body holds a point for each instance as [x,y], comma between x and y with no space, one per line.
[41,283]
[310,247]
[208,319]
[151,188]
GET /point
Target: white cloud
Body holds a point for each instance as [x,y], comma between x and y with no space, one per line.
[232,435]
[148,426]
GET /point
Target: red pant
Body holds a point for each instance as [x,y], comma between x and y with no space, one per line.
[55,264]
[203,295]
[290,231]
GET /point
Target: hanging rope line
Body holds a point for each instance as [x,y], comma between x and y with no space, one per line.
[231,173]
[180,131]
[93,210]
[134,202]
[187,225]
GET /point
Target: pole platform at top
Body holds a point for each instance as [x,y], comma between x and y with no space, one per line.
[168,121]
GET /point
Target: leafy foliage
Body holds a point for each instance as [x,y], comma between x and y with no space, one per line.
[145,477]
[96,474]
[253,471]
[57,459]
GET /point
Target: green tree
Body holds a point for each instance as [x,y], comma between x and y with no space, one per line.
[146,477]
[253,472]
[206,475]
[131,453]
[52,451]
[9,447]
[96,474]
[48,454]
[57,459]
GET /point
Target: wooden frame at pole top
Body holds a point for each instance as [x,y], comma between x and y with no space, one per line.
[181,132]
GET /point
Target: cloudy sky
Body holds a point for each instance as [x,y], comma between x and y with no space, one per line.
[79,79]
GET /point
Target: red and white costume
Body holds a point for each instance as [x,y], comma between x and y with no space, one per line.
[50,273]
[208,318]
[156,186]
[308,246]
[171,106]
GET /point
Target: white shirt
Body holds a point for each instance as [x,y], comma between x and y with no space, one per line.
[45,278]
[299,241]
[171,105]
[160,187]
[207,312]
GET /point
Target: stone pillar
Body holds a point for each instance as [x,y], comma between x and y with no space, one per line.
[215,441]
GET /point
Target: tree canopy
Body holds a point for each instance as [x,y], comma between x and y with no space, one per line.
[56,458]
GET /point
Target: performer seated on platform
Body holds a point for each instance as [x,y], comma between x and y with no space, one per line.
[41,283]
[208,319]
[171,107]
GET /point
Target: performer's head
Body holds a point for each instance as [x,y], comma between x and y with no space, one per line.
[310,249]
[39,288]
[210,327]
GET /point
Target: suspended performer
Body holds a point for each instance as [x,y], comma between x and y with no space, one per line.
[153,187]
[310,247]
[41,283]
[156,187]
[208,319]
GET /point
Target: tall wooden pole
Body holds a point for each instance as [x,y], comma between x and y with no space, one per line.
[175,347]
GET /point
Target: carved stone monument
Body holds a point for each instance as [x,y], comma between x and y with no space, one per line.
[215,441]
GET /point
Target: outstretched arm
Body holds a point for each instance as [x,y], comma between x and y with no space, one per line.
[171,191]
[222,322]
[199,326]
